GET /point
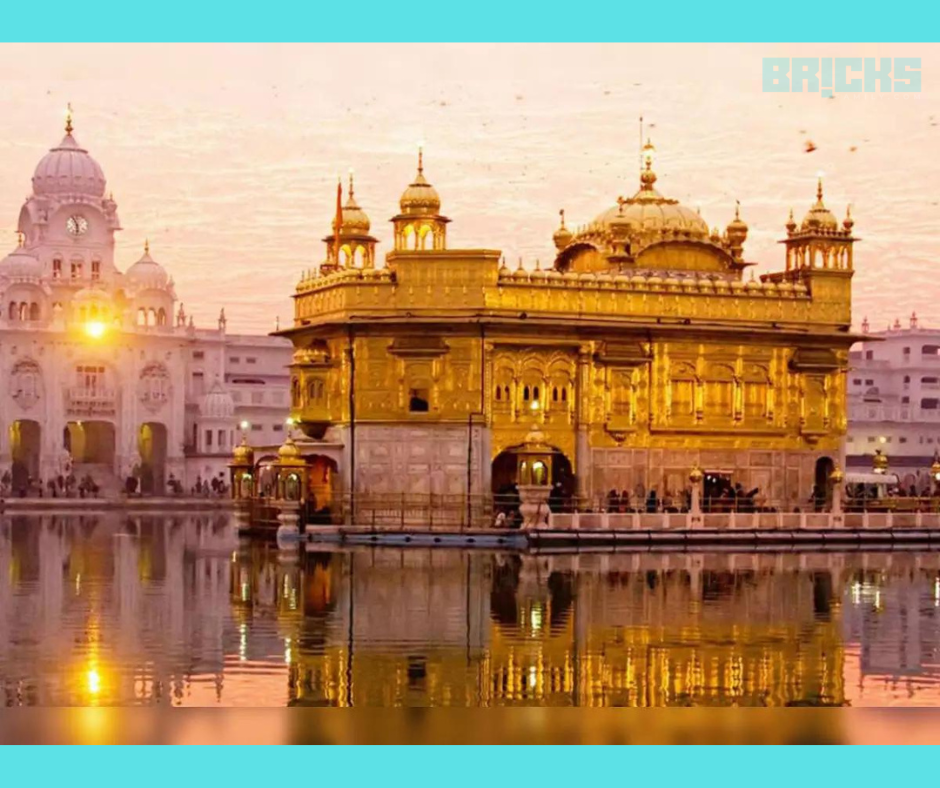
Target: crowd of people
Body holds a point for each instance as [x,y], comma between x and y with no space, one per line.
[69,486]
[61,486]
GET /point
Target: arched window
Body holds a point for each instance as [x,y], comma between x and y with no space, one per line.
[499,393]
[95,270]
[535,392]
[11,315]
[161,317]
[141,317]
[295,393]
[57,268]
[525,393]
[24,311]
[151,317]
[34,311]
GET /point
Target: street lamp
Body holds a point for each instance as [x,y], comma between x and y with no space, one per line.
[879,463]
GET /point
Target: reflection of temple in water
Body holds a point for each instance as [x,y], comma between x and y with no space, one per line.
[116,610]
[546,632]
[106,609]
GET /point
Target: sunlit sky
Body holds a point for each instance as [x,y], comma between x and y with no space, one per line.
[226,156]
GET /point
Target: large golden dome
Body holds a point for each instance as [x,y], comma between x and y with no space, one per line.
[648,213]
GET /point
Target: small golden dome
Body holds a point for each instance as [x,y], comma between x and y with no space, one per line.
[243,453]
[288,450]
[848,222]
[355,219]
[791,222]
[563,235]
[737,229]
[819,217]
[696,475]
[837,476]
[420,198]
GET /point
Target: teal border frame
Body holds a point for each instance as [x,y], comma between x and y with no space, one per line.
[475,21]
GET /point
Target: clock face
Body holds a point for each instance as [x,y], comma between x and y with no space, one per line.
[77,225]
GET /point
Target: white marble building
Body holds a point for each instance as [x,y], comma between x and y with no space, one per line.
[894,400]
[101,369]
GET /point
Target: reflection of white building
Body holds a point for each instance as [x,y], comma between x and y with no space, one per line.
[894,400]
[105,365]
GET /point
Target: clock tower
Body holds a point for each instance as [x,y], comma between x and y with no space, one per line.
[68,223]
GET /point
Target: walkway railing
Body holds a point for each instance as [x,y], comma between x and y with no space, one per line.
[401,511]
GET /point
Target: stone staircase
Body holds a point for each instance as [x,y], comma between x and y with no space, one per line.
[109,485]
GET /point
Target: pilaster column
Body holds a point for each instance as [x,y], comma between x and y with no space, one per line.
[582,458]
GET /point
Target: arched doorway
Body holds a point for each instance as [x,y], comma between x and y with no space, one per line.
[25,448]
[90,442]
[151,445]
[822,492]
[504,473]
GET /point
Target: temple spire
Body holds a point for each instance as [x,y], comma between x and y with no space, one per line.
[420,159]
[68,118]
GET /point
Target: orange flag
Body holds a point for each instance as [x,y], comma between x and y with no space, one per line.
[338,221]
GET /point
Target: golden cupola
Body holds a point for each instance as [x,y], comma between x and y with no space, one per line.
[349,245]
[420,227]
[355,220]
[819,217]
[819,242]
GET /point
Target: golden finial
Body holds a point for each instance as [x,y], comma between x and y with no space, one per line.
[561,213]
[146,246]
[350,183]
[20,238]
[647,176]
[819,189]
[538,264]
[420,158]
[737,210]
[520,264]
[68,118]
[277,322]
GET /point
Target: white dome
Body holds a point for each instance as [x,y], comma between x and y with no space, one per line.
[20,265]
[68,169]
[217,404]
[147,273]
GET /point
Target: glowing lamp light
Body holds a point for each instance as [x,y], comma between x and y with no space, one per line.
[94,682]
[95,329]
[245,425]
[535,405]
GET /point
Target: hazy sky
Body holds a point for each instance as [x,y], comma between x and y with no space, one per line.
[226,156]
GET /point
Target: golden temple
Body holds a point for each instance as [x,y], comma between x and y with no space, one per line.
[642,351]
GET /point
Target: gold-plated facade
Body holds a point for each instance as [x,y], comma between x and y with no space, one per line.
[641,352]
